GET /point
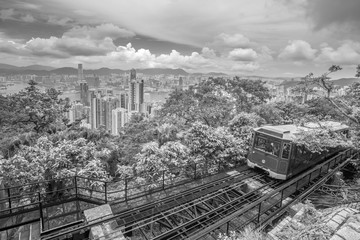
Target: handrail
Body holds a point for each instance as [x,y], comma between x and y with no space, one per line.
[52,230]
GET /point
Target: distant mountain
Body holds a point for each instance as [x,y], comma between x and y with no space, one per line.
[31,67]
[157,71]
[346,81]
[340,82]
[104,71]
[216,74]
[7,66]
[46,70]
[37,68]
[65,71]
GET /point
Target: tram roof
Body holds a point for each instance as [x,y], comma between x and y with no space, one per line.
[289,131]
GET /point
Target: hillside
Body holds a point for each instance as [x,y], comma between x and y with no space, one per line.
[45,70]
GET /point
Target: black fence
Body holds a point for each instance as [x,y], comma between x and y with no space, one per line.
[40,201]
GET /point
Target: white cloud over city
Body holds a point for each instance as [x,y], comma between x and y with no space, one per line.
[238,37]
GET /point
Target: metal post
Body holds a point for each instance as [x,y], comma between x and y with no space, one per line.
[105,192]
[41,211]
[227,228]
[76,190]
[195,171]
[126,183]
[297,185]
[282,196]
[9,199]
[163,179]
[258,220]
[328,167]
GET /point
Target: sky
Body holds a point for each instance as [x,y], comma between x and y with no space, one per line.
[275,38]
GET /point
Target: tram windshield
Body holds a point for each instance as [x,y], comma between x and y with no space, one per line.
[268,145]
[286,150]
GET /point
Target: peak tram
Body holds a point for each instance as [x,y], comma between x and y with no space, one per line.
[274,151]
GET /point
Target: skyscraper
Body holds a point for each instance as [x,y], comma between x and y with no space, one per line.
[132,74]
[80,72]
[84,93]
[181,83]
[136,92]
[119,118]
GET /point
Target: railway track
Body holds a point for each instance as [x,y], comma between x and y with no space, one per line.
[176,217]
[216,207]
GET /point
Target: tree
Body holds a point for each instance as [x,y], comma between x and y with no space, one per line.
[324,83]
[269,112]
[35,110]
[51,161]
[242,125]
[347,109]
[153,160]
[215,101]
[212,147]
[291,112]
[248,93]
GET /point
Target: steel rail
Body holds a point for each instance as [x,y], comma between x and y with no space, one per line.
[335,160]
[190,205]
[189,192]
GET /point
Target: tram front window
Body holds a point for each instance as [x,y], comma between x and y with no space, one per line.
[268,145]
[286,150]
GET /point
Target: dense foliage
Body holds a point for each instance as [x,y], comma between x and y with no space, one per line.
[209,124]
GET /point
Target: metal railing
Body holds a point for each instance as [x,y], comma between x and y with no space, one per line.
[38,197]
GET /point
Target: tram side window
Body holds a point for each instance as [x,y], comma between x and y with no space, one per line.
[286,150]
[303,153]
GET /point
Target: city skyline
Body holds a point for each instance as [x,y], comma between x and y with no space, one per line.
[267,38]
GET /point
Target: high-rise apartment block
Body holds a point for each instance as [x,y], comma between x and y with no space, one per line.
[84,93]
[119,118]
[107,107]
[136,93]
[80,72]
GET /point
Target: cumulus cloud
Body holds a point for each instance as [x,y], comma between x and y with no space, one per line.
[129,54]
[66,46]
[10,47]
[175,60]
[208,52]
[231,40]
[243,54]
[346,54]
[245,67]
[99,32]
[78,41]
[298,50]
